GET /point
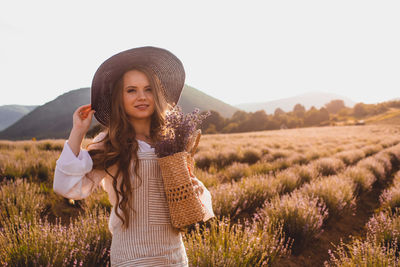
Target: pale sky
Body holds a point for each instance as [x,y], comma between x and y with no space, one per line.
[236,51]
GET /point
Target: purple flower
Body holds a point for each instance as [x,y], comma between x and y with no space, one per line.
[178,129]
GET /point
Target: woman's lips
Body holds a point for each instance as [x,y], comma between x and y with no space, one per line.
[141,107]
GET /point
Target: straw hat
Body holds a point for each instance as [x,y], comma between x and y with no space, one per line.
[165,65]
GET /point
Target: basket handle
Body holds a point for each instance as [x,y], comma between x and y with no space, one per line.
[197,135]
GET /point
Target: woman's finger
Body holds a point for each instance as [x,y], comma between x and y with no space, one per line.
[84,111]
[85,115]
[80,109]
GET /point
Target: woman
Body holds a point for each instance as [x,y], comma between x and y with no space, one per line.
[131,92]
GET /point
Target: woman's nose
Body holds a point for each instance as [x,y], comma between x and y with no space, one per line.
[141,95]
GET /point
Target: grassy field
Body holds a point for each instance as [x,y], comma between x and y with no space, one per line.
[299,197]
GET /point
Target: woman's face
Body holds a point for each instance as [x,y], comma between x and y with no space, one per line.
[138,98]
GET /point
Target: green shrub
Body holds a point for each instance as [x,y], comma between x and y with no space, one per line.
[362,177]
[372,149]
[301,217]
[245,196]
[362,253]
[289,180]
[223,244]
[206,159]
[335,191]
[328,166]
[48,146]
[262,168]
[389,142]
[85,241]
[298,158]
[384,159]
[394,154]
[390,198]
[7,145]
[203,160]
[375,166]
[34,165]
[21,199]
[97,200]
[351,157]
[384,228]
[280,154]
[312,155]
[208,179]
[235,172]
[305,173]
[251,156]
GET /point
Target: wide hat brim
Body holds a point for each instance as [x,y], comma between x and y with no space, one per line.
[165,65]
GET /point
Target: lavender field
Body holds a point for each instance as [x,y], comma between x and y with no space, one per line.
[298,197]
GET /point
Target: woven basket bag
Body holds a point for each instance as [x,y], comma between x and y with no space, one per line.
[184,204]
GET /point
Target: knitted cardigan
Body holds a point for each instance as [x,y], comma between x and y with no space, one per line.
[150,239]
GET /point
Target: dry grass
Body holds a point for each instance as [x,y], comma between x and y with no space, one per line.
[288,176]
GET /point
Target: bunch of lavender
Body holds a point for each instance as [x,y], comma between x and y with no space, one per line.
[178,129]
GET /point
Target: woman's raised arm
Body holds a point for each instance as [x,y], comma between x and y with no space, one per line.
[74,176]
[81,120]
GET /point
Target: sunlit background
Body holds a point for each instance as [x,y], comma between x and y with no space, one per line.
[238,52]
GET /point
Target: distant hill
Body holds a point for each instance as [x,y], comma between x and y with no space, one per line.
[51,120]
[192,98]
[54,119]
[392,116]
[316,99]
[12,113]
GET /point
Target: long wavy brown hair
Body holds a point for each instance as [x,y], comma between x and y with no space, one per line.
[119,146]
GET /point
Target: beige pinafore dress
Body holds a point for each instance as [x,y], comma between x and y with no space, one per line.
[150,240]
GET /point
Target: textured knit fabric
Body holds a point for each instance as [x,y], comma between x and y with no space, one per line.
[150,240]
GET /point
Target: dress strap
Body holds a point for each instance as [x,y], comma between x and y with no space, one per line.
[146,155]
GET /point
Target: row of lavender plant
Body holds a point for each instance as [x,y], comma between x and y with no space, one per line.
[223,243]
[215,245]
[348,154]
[28,240]
[279,161]
[271,161]
[36,159]
[381,245]
[246,195]
[270,241]
[245,147]
[304,211]
[265,244]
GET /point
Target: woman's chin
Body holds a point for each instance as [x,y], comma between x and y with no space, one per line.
[140,117]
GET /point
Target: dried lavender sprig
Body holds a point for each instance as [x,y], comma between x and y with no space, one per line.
[178,129]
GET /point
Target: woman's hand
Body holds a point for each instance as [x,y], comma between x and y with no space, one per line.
[82,118]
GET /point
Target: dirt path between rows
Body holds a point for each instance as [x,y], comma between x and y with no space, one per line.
[351,223]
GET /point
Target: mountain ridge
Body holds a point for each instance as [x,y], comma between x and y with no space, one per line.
[308,99]
[56,115]
[9,114]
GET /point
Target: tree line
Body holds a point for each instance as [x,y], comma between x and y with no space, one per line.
[330,113]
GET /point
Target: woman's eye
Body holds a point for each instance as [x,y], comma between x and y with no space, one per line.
[131,90]
[148,89]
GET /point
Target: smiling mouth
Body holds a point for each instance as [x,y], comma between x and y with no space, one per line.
[141,106]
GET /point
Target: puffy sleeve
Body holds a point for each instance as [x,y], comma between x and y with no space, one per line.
[74,177]
[206,199]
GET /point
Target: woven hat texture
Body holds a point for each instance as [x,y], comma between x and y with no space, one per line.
[165,65]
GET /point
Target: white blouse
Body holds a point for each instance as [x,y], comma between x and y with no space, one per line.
[72,173]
